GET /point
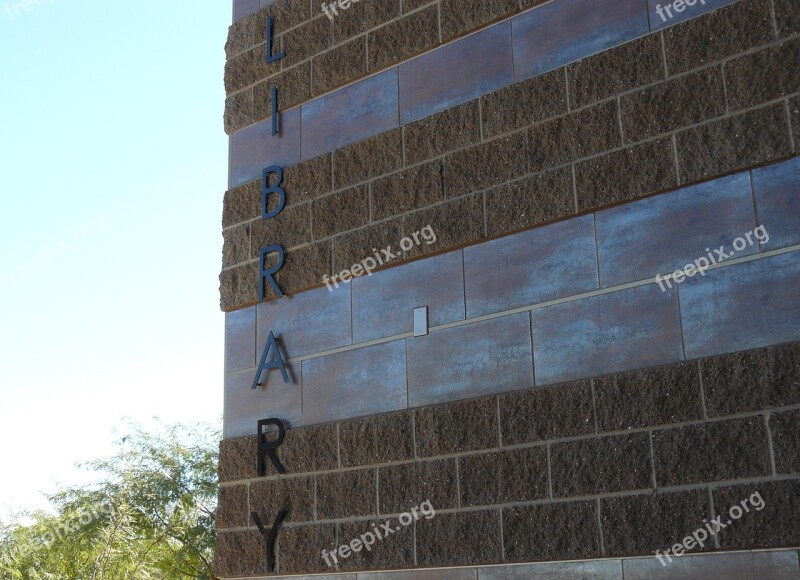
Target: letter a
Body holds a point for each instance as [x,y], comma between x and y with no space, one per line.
[275,362]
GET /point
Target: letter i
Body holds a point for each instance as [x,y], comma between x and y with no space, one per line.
[377,256]
[710,257]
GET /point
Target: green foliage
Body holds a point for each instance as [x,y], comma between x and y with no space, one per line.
[151,515]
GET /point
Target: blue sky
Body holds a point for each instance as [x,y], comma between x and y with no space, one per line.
[113,163]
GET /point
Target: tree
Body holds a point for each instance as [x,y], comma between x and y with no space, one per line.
[151,515]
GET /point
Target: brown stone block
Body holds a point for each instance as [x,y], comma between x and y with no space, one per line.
[409,5]
[763,76]
[340,212]
[286,14]
[388,553]
[650,397]
[675,103]
[711,452]
[378,439]
[461,539]
[728,144]
[529,202]
[238,111]
[352,247]
[615,71]
[523,103]
[785,429]
[305,267]
[240,554]
[787,15]
[752,380]
[307,40]
[642,524]
[248,68]
[294,86]
[625,174]
[339,66]
[574,136]
[401,487]
[546,413]
[794,112]
[241,204]
[270,496]
[299,548]
[290,228]
[450,129]
[232,507]
[238,287]
[407,190]
[238,459]
[309,449]
[457,19]
[555,531]
[717,35]
[403,38]
[364,16]
[485,165]
[346,494]
[240,36]
[457,427]
[368,158]
[235,245]
[308,179]
[456,222]
[503,477]
[775,524]
[602,465]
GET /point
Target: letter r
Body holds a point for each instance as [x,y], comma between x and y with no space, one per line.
[265,274]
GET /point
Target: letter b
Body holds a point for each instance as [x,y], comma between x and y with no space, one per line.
[266,189]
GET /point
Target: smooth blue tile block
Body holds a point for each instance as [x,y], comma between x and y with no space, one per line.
[254,148]
[364,381]
[456,73]
[245,406]
[661,234]
[610,333]
[672,17]
[306,323]
[743,306]
[563,31]
[537,265]
[468,361]
[597,570]
[350,114]
[777,191]
[240,339]
[383,303]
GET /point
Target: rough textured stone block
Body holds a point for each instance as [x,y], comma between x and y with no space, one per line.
[238,287]
[503,477]
[308,449]
[456,427]
[671,16]
[625,174]
[352,247]
[777,193]
[486,357]
[403,38]
[587,132]
[751,381]
[304,267]
[241,203]
[521,104]
[785,429]
[642,524]
[675,103]
[340,212]
[299,548]
[732,143]
[794,113]
[456,20]
[239,554]
[711,452]
[307,179]
[290,228]
[238,111]
[740,307]
[787,15]
[649,397]
[556,531]
[615,71]
[437,134]
[414,188]
[285,13]
[662,234]
[248,68]
[624,330]
[460,539]
[395,551]
[607,464]
[294,86]
[305,41]
[379,439]
[401,487]
[240,33]
[363,16]
[529,202]
[456,222]
[270,496]
[776,524]
[232,507]
[339,66]
[548,413]
[717,35]
[346,494]
[532,266]
[763,76]
[238,459]
[485,165]
[368,158]
[431,83]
